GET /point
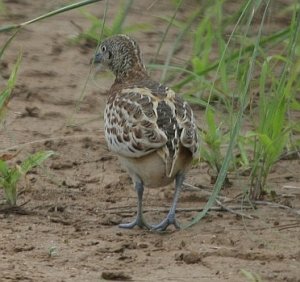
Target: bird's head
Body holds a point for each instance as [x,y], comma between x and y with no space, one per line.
[121,54]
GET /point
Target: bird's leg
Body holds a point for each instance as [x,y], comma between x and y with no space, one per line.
[170,219]
[139,221]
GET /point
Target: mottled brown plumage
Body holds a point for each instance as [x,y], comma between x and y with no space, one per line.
[149,127]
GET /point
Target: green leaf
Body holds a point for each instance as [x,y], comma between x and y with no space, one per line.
[14,177]
[11,194]
[8,181]
[196,101]
[198,65]
[210,118]
[34,160]
[265,140]
[4,169]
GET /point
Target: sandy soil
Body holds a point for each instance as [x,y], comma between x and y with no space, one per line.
[67,228]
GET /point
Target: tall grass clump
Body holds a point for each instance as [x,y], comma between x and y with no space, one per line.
[248,88]
[274,125]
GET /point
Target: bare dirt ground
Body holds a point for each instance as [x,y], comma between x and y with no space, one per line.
[67,230]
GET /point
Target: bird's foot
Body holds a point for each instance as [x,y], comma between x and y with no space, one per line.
[169,220]
[139,221]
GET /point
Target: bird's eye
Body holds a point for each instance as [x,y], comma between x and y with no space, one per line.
[103,48]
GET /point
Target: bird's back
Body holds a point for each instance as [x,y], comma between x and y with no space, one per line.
[143,116]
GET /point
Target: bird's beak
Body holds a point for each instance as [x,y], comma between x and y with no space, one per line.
[97,59]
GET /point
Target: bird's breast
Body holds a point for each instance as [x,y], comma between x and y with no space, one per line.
[152,170]
[149,169]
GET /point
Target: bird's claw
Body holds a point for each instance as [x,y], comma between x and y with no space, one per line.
[140,222]
[169,220]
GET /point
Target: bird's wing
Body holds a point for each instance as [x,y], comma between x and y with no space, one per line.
[175,118]
[131,128]
[185,119]
[141,120]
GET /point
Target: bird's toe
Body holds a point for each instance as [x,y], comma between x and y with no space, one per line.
[162,226]
[140,222]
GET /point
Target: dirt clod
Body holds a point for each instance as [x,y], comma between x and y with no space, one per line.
[32,112]
[143,245]
[116,275]
[189,258]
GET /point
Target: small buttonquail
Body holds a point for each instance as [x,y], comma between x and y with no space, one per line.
[150,128]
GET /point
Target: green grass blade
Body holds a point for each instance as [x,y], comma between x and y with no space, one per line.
[178,41]
[50,14]
[7,43]
[167,29]
[10,192]
[121,16]
[2,8]
[5,94]
[274,38]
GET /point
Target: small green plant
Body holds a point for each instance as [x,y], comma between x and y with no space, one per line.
[273,128]
[10,176]
[52,251]
[212,138]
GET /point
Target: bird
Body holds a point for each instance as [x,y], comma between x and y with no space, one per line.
[151,129]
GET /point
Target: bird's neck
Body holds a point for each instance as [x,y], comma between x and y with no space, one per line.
[131,75]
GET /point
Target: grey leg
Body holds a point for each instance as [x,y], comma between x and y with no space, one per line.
[139,221]
[170,219]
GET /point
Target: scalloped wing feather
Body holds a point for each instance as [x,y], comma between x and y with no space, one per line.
[130,125]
